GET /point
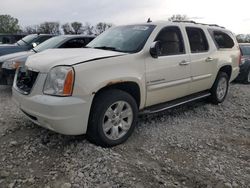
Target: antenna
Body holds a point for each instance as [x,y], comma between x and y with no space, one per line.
[149,20]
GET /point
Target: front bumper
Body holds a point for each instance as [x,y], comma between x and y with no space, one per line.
[65,115]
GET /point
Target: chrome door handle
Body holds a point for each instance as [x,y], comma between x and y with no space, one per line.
[209,59]
[184,62]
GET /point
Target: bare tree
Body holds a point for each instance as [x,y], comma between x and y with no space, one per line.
[32,29]
[178,17]
[49,28]
[88,29]
[101,27]
[77,27]
[67,29]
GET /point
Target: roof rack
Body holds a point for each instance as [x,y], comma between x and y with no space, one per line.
[191,21]
[185,21]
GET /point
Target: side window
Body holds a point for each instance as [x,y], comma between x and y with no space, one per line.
[88,40]
[171,41]
[197,40]
[42,39]
[222,40]
[74,43]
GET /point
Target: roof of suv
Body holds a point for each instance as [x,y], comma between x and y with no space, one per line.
[162,23]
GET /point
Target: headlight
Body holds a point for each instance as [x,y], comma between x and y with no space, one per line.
[243,60]
[11,65]
[60,81]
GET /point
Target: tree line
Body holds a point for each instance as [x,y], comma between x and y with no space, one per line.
[9,24]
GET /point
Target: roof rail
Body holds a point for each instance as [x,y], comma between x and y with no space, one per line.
[185,21]
[191,21]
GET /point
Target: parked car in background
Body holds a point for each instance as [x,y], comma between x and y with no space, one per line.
[10,62]
[149,68]
[24,44]
[244,75]
[10,38]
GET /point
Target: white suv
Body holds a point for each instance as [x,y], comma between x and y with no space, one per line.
[129,69]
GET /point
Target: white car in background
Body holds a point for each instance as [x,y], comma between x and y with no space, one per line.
[9,63]
[143,68]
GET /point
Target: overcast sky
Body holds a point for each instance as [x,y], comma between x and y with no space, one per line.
[234,15]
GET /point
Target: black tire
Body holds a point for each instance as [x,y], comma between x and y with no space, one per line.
[214,98]
[247,81]
[101,103]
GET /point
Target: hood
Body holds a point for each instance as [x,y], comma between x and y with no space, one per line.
[8,49]
[15,56]
[45,60]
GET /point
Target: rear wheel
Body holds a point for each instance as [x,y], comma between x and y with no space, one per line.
[112,119]
[220,88]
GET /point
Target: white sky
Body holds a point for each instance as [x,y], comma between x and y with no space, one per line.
[234,15]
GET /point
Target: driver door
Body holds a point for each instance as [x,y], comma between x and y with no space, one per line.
[168,77]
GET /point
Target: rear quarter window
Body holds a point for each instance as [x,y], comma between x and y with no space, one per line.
[222,40]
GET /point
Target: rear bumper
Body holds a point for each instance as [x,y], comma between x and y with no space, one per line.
[235,73]
[65,115]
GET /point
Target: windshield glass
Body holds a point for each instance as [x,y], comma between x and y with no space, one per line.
[26,40]
[48,44]
[245,50]
[130,39]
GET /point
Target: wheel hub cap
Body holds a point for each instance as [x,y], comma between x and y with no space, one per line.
[222,88]
[117,120]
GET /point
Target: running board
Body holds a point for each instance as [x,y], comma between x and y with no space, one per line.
[174,103]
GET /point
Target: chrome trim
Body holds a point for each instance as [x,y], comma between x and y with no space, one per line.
[178,104]
[201,77]
[157,86]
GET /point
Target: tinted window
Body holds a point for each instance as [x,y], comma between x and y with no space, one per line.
[197,40]
[222,40]
[171,41]
[50,43]
[245,50]
[74,43]
[41,39]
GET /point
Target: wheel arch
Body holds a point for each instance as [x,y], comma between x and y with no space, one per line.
[131,87]
[227,69]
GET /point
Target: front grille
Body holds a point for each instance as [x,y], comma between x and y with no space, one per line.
[25,79]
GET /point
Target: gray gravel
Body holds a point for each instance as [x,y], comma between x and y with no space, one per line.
[196,145]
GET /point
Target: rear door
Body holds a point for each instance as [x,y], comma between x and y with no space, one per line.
[202,59]
[168,76]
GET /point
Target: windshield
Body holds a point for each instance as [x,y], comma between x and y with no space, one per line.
[130,39]
[245,50]
[26,40]
[48,44]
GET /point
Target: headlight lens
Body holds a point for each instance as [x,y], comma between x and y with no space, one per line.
[60,81]
[11,65]
[243,61]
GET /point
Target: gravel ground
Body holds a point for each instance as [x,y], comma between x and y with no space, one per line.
[196,145]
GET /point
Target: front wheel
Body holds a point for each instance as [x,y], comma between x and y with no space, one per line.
[220,88]
[112,119]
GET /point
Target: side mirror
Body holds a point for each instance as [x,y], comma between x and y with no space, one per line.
[155,49]
[34,44]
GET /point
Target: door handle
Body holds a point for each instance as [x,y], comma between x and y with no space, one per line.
[184,62]
[209,59]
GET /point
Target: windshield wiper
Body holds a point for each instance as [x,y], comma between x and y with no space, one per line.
[107,48]
[24,41]
[34,50]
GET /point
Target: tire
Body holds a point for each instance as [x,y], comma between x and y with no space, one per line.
[105,110]
[247,79]
[220,88]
